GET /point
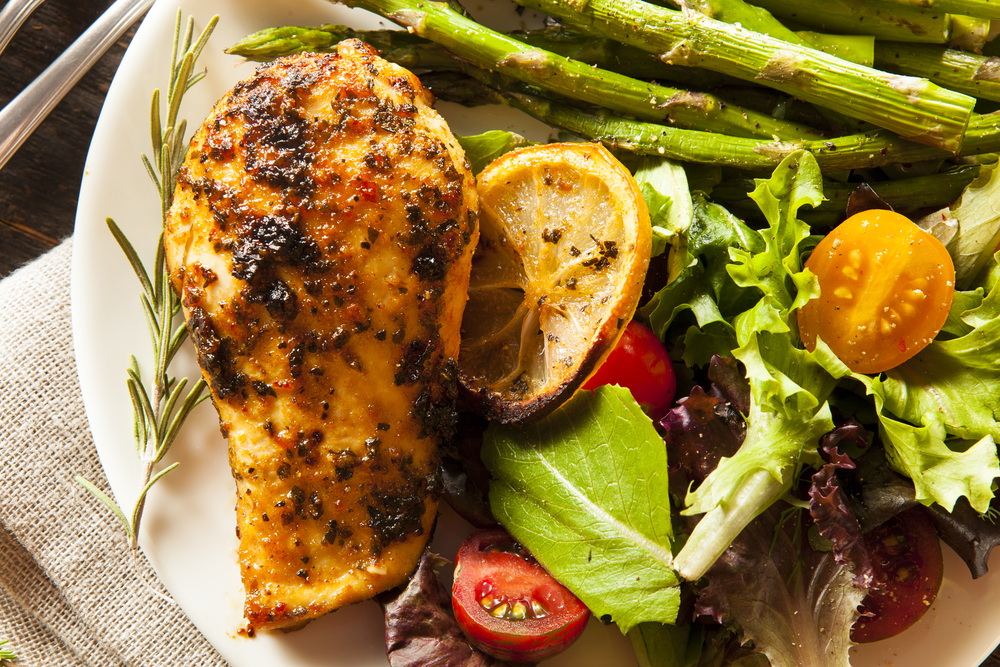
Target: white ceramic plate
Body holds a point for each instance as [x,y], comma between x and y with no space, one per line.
[189,524]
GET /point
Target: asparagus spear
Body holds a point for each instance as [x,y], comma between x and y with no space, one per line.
[904,194]
[460,89]
[968,33]
[750,17]
[408,50]
[987,9]
[398,46]
[965,72]
[914,108]
[884,20]
[851,152]
[490,50]
[855,48]
[652,139]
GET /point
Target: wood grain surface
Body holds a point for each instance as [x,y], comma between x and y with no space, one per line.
[39,186]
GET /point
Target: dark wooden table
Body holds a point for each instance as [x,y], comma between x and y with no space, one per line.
[40,184]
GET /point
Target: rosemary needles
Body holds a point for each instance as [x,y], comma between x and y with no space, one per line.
[160,405]
[5,653]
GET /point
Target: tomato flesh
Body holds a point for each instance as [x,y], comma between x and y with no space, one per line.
[508,605]
[640,363]
[906,557]
[886,287]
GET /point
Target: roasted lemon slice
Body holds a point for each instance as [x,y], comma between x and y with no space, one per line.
[563,251]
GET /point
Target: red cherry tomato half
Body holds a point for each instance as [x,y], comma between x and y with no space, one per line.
[906,557]
[640,363]
[508,605]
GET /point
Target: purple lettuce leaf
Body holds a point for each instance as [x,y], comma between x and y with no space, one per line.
[722,648]
[796,605]
[828,506]
[970,534]
[706,426]
[877,493]
[420,630]
[730,383]
[698,434]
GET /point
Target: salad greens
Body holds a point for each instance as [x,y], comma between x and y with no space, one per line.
[420,627]
[589,497]
[664,186]
[788,386]
[733,293]
[976,214]
[796,605]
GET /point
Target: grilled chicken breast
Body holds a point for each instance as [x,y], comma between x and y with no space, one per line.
[320,239]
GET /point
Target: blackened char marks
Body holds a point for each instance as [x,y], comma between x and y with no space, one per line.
[394,516]
[391,118]
[265,244]
[437,415]
[277,140]
[280,300]
[431,212]
[431,264]
[410,369]
[269,240]
[221,199]
[215,354]
[296,359]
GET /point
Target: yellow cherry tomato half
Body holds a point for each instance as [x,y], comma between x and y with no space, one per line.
[886,287]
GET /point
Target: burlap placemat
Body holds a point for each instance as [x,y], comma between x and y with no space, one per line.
[70,593]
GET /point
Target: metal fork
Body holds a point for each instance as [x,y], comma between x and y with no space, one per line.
[23,114]
[12,16]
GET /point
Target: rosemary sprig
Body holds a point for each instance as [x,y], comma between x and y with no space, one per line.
[160,407]
[5,653]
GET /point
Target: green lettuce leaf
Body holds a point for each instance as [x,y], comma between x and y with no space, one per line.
[481,149]
[796,605]
[659,645]
[788,386]
[955,382]
[704,290]
[776,270]
[978,214]
[743,486]
[952,390]
[962,303]
[940,474]
[585,490]
[664,186]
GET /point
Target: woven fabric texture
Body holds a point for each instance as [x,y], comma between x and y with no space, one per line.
[71,594]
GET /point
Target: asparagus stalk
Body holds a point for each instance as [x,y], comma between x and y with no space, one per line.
[965,72]
[883,20]
[968,33]
[773,103]
[904,194]
[653,139]
[398,46]
[914,108]
[855,48]
[460,89]
[851,152]
[490,50]
[986,9]
[750,17]
[406,49]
